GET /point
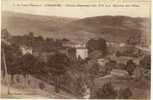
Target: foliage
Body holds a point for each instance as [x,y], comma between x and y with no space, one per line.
[124,93]
[27,62]
[128,50]
[121,66]
[58,64]
[12,56]
[148,74]
[99,44]
[109,66]
[18,63]
[118,53]
[37,43]
[107,91]
[146,62]
[41,86]
[134,39]
[96,54]
[130,66]
[80,86]
[5,34]
[39,67]
[94,70]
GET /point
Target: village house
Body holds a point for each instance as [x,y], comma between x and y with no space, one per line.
[78,49]
[81,51]
[25,50]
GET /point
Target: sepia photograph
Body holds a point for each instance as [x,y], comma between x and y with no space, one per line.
[75,52]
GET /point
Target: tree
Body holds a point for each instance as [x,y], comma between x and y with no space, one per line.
[121,66]
[94,71]
[27,62]
[58,64]
[124,93]
[99,44]
[134,39]
[109,66]
[80,86]
[107,91]
[40,67]
[96,54]
[12,56]
[118,53]
[41,85]
[130,66]
[146,62]
[5,34]
[31,34]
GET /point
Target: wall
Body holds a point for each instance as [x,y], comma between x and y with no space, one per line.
[83,53]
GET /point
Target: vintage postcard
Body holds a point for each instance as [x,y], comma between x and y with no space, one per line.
[76,49]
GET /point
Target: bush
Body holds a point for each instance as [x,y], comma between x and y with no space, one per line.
[80,86]
[109,66]
[97,44]
[148,74]
[121,66]
[107,91]
[124,93]
[118,54]
[41,86]
[130,66]
[146,62]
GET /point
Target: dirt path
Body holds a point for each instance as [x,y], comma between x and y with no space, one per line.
[30,93]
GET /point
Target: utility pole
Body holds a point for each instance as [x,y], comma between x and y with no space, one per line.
[6,73]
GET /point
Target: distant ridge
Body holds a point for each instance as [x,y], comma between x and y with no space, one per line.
[112,28]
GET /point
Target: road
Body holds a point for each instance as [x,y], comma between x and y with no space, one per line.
[30,94]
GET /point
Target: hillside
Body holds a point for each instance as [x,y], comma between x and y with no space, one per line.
[20,23]
[112,28]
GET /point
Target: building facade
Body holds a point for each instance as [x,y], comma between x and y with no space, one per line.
[81,51]
[25,50]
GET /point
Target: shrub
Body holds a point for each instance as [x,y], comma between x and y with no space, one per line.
[121,66]
[118,54]
[146,62]
[97,44]
[41,86]
[130,66]
[107,91]
[124,93]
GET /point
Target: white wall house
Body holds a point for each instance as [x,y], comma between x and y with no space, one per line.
[26,50]
[81,51]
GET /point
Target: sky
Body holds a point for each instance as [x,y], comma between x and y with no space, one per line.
[10,5]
